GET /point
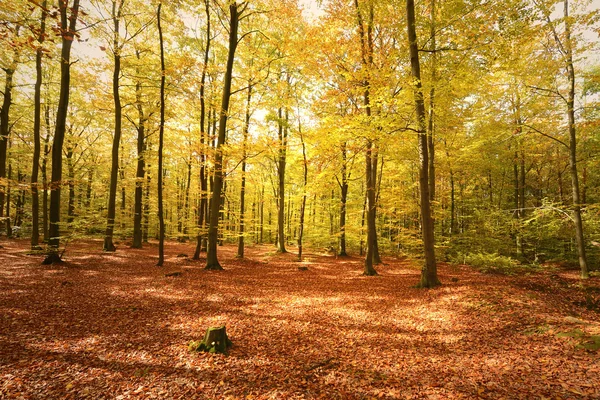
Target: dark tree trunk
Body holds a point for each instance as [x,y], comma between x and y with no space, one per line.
[429,276]
[45,175]
[282,134]
[161,217]
[71,184]
[573,148]
[366,39]
[140,172]
[67,25]
[240,251]
[37,123]
[8,199]
[343,201]
[204,128]
[114,171]
[212,261]
[303,203]
[4,138]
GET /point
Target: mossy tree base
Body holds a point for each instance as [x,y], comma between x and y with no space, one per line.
[215,341]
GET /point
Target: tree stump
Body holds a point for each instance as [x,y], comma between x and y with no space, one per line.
[215,341]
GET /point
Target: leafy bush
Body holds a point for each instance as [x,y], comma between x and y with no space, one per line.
[488,262]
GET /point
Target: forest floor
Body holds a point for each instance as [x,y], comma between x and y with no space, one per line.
[105,325]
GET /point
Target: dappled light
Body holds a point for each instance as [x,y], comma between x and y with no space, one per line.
[295,334]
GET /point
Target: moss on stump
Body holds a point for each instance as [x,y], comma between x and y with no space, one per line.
[215,341]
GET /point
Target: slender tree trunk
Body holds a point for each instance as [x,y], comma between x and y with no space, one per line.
[67,24]
[431,116]
[429,276]
[366,39]
[37,123]
[71,184]
[161,217]
[212,261]
[8,198]
[112,196]
[573,147]
[303,203]
[204,128]
[140,172]
[4,136]
[240,251]
[343,201]
[45,175]
[282,133]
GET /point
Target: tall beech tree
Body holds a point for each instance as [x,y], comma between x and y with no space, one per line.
[365,30]
[37,123]
[117,48]
[235,12]
[429,276]
[68,22]
[204,125]
[7,101]
[161,135]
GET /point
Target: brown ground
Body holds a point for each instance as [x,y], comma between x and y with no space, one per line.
[113,326]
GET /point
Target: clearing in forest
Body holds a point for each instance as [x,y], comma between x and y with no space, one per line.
[112,325]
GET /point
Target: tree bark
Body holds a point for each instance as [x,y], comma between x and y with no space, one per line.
[343,201]
[114,171]
[240,251]
[366,40]
[67,26]
[303,203]
[429,276]
[161,217]
[212,261]
[45,219]
[204,128]
[579,234]
[282,134]
[37,123]
[5,133]
[140,172]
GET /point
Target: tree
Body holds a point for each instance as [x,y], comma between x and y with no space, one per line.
[68,21]
[35,165]
[161,134]
[212,262]
[429,277]
[117,48]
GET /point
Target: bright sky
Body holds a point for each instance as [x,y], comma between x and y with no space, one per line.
[311,9]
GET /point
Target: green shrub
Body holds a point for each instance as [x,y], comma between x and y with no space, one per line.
[488,262]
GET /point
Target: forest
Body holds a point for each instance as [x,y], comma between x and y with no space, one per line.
[378,198]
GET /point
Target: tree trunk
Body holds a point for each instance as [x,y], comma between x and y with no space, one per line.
[37,123]
[343,201]
[303,203]
[45,174]
[161,134]
[67,24]
[4,135]
[204,128]
[112,195]
[573,148]
[282,135]
[240,251]
[366,40]
[71,184]
[140,172]
[429,276]
[212,261]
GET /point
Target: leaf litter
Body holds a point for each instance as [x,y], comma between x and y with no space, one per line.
[114,326]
